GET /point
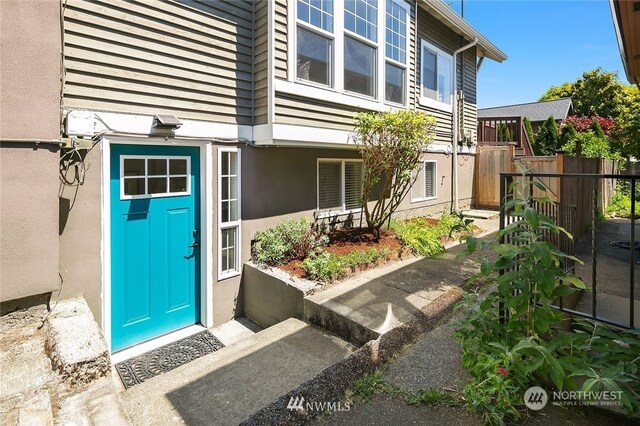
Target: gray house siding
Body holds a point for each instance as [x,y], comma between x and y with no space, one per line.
[191,58]
[261,63]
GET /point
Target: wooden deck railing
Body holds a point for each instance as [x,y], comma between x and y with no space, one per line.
[489,133]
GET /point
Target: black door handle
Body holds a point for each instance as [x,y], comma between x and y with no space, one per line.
[194,245]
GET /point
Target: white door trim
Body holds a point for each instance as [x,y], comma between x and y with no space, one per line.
[206,224]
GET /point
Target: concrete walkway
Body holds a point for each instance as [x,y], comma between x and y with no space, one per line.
[227,386]
[364,307]
[434,362]
[612,272]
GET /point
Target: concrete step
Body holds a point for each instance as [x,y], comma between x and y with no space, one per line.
[362,308]
[229,385]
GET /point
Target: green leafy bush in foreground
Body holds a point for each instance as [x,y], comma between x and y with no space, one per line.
[291,239]
[328,267]
[425,238]
[526,347]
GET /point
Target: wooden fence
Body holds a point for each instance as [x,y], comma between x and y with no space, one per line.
[578,194]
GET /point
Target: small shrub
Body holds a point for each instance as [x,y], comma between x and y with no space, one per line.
[291,239]
[325,267]
[423,238]
[620,205]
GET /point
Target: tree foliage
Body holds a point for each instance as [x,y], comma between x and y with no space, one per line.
[390,144]
[600,93]
[547,139]
[529,130]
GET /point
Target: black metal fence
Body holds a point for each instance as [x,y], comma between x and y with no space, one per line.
[608,248]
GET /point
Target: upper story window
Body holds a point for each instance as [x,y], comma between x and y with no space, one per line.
[315,41]
[358,47]
[436,84]
[396,53]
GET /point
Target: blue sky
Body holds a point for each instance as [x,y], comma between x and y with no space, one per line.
[547,42]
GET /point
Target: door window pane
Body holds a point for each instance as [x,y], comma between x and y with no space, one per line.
[394,84]
[314,57]
[135,186]
[178,167]
[157,185]
[134,167]
[177,184]
[157,166]
[359,67]
[228,249]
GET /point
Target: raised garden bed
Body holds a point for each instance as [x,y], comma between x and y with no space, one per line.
[301,252]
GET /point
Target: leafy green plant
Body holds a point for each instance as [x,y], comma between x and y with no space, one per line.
[432,397]
[327,267]
[620,205]
[547,139]
[510,338]
[424,238]
[366,387]
[291,239]
[529,130]
[390,144]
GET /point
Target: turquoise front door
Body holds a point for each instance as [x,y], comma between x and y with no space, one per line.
[155,236]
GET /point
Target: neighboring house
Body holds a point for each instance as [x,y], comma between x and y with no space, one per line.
[512,116]
[198,123]
[626,20]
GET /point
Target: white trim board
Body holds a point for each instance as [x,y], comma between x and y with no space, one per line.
[89,123]
[206,225]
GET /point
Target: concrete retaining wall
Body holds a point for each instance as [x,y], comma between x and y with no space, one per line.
[269,299]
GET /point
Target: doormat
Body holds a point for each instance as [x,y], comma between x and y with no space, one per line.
[166,358]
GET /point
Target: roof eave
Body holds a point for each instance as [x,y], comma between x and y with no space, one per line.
[454,21]
[615,14]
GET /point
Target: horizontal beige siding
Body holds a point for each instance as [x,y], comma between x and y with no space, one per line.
[192,59]
[261,63]
[280,53]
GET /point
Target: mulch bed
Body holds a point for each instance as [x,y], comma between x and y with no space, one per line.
[346,240]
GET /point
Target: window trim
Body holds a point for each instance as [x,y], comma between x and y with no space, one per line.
[435,181]
[335,93]
[343,210]
[146,176]
[228,225]
[426,101]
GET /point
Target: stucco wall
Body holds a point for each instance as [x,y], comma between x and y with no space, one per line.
[29,108]
[81,234]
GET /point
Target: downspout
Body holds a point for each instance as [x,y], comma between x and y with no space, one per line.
[455,120]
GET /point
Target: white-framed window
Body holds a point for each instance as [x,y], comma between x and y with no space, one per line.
[356,48]
[436,85]
[153,176]
[424,187]
[228,212]
[395,70]
[339,186]
[314,42]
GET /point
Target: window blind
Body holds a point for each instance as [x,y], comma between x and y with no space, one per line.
[429,178]
[417,190]
[353,175]
[329,185]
